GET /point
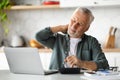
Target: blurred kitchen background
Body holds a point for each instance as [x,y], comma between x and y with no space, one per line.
[26,23]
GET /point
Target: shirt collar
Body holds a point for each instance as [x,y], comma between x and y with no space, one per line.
[68,37]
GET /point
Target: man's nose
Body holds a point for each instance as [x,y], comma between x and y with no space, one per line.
[74,26]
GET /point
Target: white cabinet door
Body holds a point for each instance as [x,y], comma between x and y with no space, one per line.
[113,58]
[118,61]
[45,58]
[3,62]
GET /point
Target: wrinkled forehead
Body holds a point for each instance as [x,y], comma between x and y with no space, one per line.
[80,16]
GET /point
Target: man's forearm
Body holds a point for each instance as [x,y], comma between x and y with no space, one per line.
[89,65]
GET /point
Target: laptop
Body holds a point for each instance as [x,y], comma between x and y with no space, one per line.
[25,60]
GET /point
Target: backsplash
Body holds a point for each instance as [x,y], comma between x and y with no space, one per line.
[27,22]
[1,35]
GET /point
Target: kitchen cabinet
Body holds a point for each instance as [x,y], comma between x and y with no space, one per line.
[3,61]
[112,55]
[45,59]
[113,58]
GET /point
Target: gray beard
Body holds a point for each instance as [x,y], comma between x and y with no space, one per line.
[71,35]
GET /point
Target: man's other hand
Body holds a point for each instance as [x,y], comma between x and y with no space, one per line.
[73,61]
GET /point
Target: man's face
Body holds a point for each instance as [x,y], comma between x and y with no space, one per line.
[78,24]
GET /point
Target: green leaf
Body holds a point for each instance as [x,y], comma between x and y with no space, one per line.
[4,4]
[4,18]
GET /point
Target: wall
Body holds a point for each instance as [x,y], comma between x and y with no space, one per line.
[1,34]
[28,22]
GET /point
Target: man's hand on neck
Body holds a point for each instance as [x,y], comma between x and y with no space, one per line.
[59,28]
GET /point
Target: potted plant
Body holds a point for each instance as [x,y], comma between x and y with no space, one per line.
[4,4]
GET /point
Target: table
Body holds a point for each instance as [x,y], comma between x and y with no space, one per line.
[6,75]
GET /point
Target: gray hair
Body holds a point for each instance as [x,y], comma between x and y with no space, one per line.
[86,11]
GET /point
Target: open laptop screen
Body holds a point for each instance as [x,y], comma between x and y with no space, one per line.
[24,60]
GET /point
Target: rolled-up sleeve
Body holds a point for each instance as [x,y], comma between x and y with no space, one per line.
[46,37]
[98,55]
